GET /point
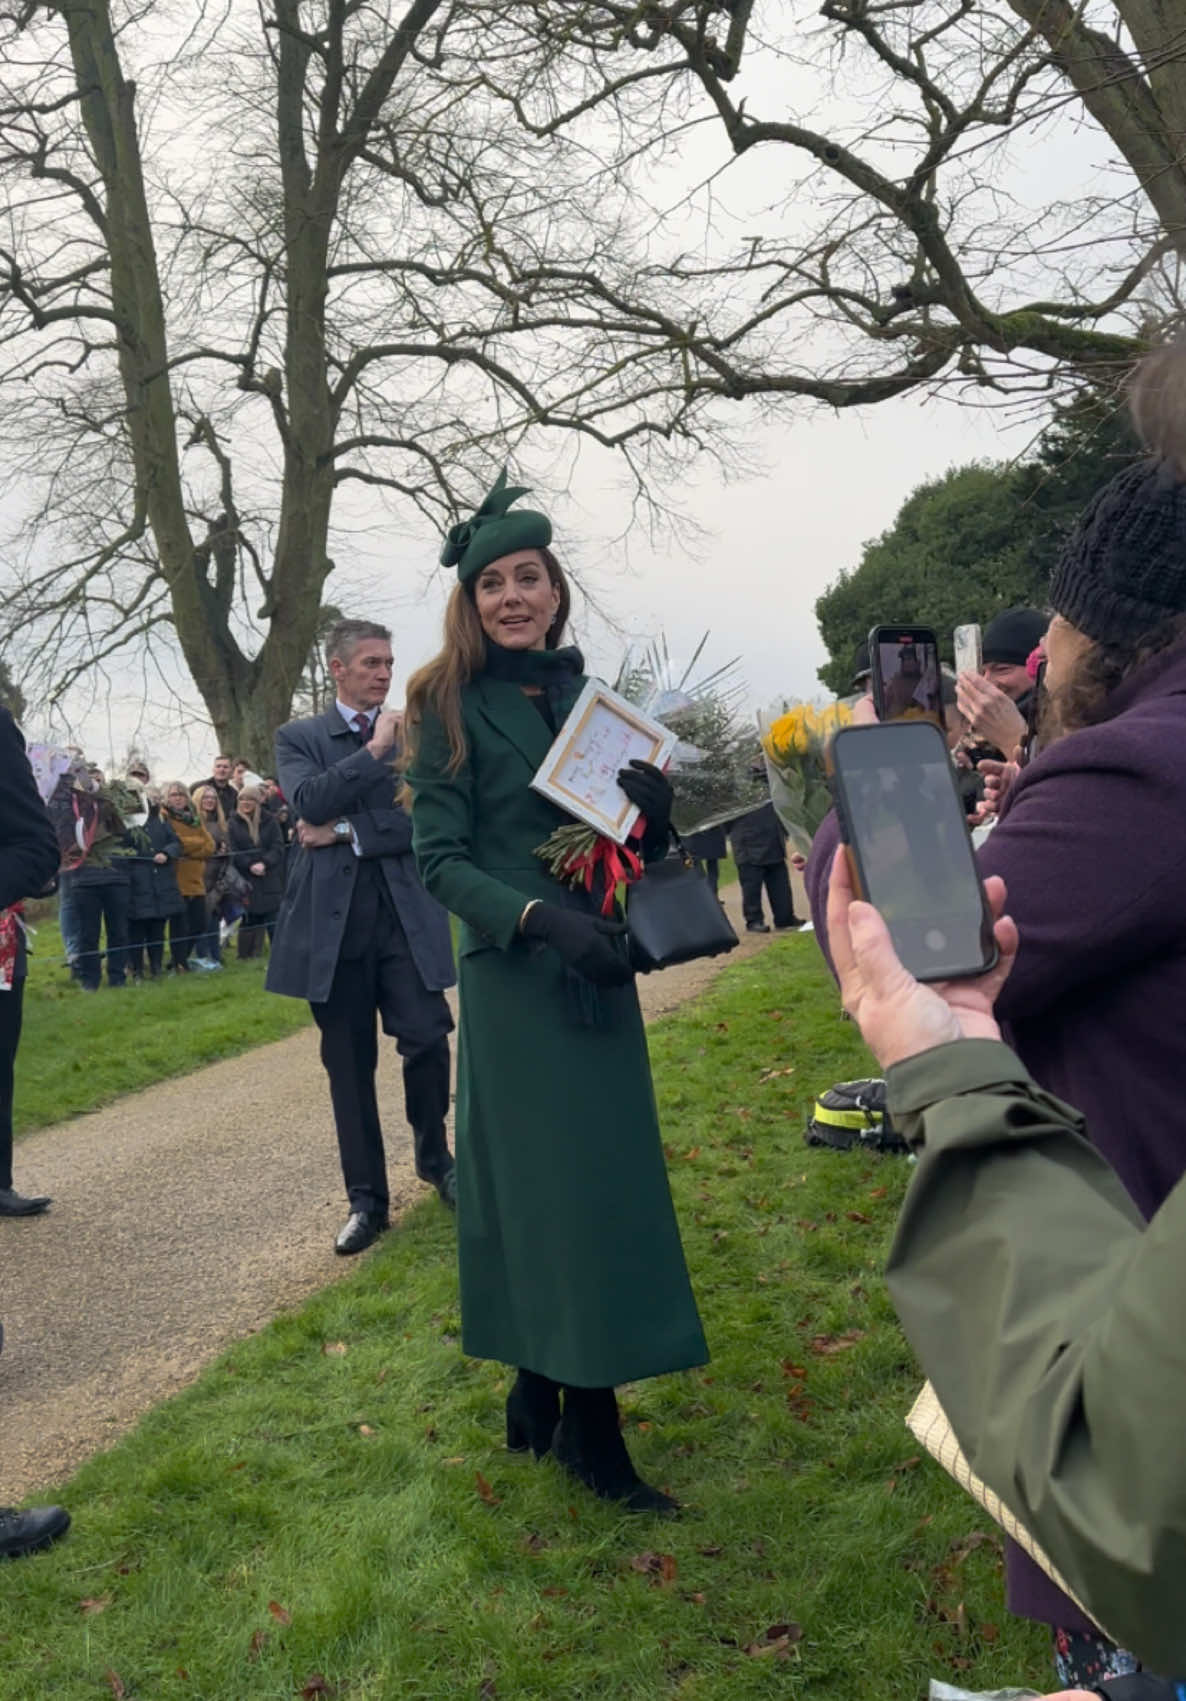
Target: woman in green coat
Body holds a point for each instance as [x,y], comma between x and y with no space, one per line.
[570,1258]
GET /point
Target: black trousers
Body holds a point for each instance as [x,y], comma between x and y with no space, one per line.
[11,1007]
[93,906]
[776,879]
[146,937]
[252,928]
[186,930]
[385,981]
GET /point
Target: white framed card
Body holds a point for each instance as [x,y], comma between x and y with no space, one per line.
[602,733]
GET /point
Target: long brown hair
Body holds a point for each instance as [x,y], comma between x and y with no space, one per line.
[439,683]
[1084,697]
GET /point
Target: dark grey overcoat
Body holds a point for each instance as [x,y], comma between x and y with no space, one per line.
[326,776]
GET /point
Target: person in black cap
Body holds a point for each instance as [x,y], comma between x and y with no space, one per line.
[570,1258]
[996,702]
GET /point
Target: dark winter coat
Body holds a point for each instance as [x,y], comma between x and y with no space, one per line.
[759,838]
[709,844]
[267,889]
[326,774]
[569,1250]
[1091,842]
[28,848]
[154,892]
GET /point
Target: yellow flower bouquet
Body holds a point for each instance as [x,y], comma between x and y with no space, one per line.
[795,742]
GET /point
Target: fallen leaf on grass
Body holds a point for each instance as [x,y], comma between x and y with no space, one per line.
[776,1643]
[365,1429]
[858,1217]
[487,1689]
[661,1566]
[485,1491]
[827,1344]
[534,1543]
[334,1349]
[697,1599]
[259,1640]
[554,1590]
[713,1552]
[457,1459]
[316,1685]
[906,1465]
[279,1613]
[774,1074]
[94,1603]
[117,1684]
[691,1154]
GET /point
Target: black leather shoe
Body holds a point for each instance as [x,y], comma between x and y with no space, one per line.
[13,1204]
[361,1229]
[25,1532]
[756,927]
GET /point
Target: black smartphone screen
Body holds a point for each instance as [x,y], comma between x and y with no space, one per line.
[903,821]
[907,681]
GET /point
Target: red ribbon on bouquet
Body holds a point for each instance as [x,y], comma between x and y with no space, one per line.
[617,863]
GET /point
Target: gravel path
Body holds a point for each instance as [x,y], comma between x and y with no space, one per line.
[185,1217]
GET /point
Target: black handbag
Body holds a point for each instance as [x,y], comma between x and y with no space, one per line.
[674,915]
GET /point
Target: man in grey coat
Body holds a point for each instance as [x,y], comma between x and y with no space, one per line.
[357,933]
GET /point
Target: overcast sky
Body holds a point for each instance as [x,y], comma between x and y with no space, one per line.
[770,543]
[773,542]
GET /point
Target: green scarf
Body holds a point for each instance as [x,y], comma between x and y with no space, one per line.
[557,673]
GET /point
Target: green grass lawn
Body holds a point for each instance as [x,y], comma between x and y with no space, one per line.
[330,1511]
[82,1050]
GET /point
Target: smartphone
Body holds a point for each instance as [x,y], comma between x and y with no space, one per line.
[907,682]
[902,819]
[969,652]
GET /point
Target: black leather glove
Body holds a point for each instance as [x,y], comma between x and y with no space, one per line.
[649,788]
[588,944]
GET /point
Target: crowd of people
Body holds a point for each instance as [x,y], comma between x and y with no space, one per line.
[180,867]
[1039,1258]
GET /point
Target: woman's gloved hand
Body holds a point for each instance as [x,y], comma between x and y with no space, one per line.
[650,790]
[588,943]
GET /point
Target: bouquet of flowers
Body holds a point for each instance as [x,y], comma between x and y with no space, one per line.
[795,741]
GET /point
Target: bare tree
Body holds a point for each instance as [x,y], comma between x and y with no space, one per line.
[916,156]
[296,255]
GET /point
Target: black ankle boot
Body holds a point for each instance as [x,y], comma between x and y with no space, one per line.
[533,1411]
[588,1443]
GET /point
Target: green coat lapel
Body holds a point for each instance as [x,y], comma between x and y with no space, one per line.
[507,709]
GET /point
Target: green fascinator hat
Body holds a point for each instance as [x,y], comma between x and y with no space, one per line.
[492,531]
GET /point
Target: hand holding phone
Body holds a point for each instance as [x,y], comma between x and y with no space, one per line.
[902,819]
[899,1018]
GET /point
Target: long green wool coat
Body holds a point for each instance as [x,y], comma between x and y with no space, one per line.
[570,1256]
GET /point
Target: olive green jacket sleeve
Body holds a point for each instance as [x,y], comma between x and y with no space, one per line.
[443,840]
[1050,1321]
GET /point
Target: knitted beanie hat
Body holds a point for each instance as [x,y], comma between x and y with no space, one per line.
[1123,569]
[1012,636]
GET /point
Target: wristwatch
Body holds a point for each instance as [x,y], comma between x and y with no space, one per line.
[343,830]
